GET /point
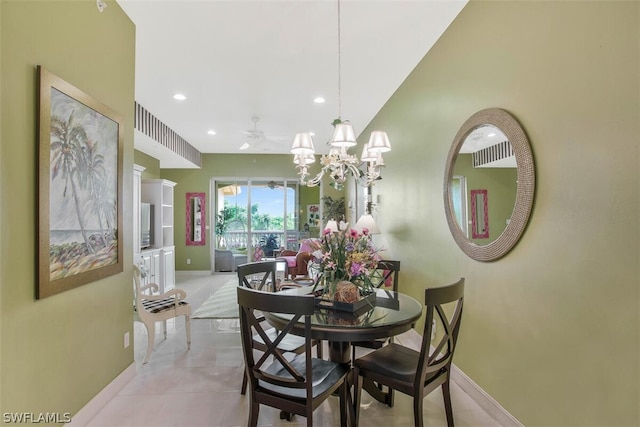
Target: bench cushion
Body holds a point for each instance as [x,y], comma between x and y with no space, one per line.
[157,306]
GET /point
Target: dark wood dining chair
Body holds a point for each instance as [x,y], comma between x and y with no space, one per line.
[293,383]
[418,373]
[262,276]
[258,275]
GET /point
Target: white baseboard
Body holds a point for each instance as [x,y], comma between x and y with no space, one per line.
[193,272]
[413,339]
[483,399]
[84,416]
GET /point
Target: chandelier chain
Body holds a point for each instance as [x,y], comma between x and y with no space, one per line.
[339,68]
[338,165]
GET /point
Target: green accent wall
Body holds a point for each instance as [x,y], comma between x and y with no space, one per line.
[551,331]
[57,353]
[309,196]
[151,165]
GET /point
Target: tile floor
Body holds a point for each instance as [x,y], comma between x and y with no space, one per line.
[201,387]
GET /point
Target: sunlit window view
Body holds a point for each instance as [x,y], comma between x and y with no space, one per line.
[255,219]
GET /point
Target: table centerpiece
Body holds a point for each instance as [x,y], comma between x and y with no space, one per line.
[345,260]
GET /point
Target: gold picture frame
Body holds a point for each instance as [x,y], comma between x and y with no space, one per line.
[80,151]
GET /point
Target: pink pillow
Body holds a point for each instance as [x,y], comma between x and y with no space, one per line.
[306,246]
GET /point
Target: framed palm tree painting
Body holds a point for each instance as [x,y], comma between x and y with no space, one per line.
[79,187]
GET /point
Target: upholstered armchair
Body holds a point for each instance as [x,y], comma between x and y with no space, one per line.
[297,262]
[227,260]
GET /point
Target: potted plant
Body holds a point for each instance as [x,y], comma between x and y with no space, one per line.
[269,243]
[221,226]
[334,209]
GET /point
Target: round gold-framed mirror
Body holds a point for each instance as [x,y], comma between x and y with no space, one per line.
[515,148]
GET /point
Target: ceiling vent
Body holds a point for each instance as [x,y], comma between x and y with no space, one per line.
[496,156]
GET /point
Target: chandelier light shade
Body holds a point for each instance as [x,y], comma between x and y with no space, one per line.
[379,142]
[343,135]
[367,155]
[303,144]
[338,165]
[304,159]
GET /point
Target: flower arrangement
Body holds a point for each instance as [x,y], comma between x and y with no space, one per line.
[345,255]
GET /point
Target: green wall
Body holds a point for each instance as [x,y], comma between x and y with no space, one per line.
[551,331]
[58,352]
[151,165]
[309,196]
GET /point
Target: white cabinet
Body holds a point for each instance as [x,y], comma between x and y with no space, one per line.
[168,268]
[159,192]
[150,264]
[137,183]
[159,266]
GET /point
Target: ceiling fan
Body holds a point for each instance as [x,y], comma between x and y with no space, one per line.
[273,185]
[256,136]
[253,135]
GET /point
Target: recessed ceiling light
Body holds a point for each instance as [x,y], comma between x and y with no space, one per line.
[212,132]
[319,100]
[179,97]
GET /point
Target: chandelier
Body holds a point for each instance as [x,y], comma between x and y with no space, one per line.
[339,164]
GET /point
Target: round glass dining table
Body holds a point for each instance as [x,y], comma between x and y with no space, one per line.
[392,314]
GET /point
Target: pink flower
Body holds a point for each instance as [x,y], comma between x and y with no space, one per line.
[353,233]
[326,231]
[365,231]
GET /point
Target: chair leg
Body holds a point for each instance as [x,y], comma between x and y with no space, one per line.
[357,394]
[243,388]
[187,327]
[164,328]
[446,394]
[253,412]
[417,409]
[343,404]
[390,398]
[151,334]
[319,349]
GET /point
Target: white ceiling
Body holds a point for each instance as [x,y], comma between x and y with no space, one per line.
[238,59]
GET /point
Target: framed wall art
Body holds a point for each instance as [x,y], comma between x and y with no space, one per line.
[80,143]
[313,216]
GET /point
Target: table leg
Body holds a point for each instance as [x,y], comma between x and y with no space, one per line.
[339,352]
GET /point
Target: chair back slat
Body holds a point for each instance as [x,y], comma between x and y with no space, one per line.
[252,301]
[387,273]
[258,275]
[437,357]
